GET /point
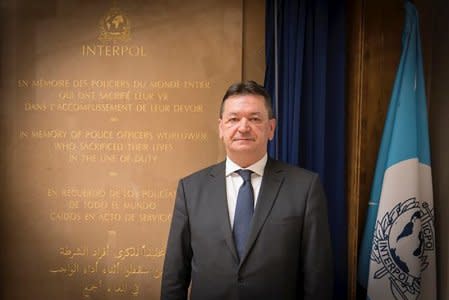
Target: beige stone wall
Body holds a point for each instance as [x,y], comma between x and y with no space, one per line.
[254,40]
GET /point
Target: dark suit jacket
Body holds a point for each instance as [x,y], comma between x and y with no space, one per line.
[288,252]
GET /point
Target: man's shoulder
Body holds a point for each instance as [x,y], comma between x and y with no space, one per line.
[290,170]
[212,170]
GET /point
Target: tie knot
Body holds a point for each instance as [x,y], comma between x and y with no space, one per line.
[245,174]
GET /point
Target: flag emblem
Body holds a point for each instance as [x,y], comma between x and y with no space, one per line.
[398,228]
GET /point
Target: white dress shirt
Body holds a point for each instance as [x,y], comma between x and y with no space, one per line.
[234,181]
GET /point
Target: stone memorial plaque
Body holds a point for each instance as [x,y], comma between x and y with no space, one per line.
[105,105]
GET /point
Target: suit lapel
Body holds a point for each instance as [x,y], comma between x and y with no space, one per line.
[220,206]
[271,182]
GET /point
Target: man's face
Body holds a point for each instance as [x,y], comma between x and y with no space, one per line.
[245,127]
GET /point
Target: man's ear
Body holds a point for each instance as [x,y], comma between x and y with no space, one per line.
[272,124]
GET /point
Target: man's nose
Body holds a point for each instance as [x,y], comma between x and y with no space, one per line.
[244,125]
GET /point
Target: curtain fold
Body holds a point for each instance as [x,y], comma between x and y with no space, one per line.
[311,102]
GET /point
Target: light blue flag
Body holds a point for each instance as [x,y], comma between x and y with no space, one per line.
[397,255]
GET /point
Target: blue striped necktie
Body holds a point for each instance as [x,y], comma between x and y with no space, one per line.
[243,211]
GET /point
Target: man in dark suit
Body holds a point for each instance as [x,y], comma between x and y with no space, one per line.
[250,227]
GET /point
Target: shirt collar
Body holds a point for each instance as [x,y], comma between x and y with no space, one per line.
[258,167]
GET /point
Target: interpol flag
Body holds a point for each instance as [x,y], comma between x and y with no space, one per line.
[397,257]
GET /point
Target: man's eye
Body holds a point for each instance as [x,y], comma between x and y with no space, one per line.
[232,120]
[255,120]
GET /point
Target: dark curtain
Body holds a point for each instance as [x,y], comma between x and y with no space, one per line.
[311,102]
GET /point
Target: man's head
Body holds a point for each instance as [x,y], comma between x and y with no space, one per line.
[246,122]
[248,88]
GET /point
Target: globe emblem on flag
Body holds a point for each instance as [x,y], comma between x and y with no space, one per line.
[407,242]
